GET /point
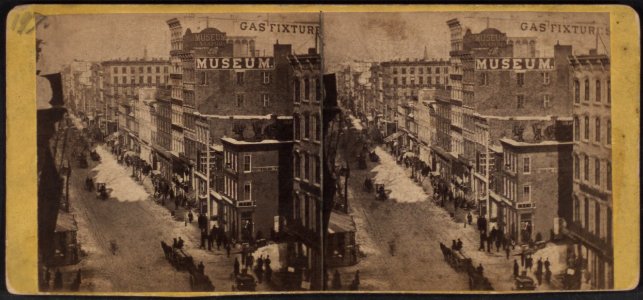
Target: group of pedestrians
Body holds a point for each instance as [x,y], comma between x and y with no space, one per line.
[212,236]
[527,261]
[261,266]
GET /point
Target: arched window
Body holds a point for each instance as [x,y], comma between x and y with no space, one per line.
[297,163]
[609,132]
[576,129]
[586,168]
[597,130]
[297,125]
[586,89]
[597,172]
[296,90]
[576,209]
[576,91]
[586,136]
[597,97]
[608,175]
[576,167]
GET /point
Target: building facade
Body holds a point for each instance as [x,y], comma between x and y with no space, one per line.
[590,224]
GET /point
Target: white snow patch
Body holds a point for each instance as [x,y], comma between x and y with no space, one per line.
[395,179]
[357,124]
[118,179]
[274,250]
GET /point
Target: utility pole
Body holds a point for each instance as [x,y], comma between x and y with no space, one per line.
[207,172]
[488,208]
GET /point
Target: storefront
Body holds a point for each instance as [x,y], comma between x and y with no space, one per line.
[342,249]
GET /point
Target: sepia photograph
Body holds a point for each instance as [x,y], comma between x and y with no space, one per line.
[168,166]
[473,151]
[179,151]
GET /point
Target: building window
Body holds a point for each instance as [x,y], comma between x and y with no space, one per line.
[403,70]
[115,80]
[149,79]
[526,193]
[297,166]
[297,125]
[247,191]
[306,127]
[266,100]
[520,79]
[317,170]
[317,128]
[420,79]
[520,101]
[609,91]
[239,100]
[608,175]
[420,70]
[158,69]
[586,168]
[403,80]
[609,132]
[526,165]
[597,130]
[140,69]
[597,172]
[545,76]
[306,167]
[158,79]
[597,97]
[437,70]
[576,91]
[247,163]
[576,210]
[165,69]
[437,79]
[297,90]
[124,69]
[546,101]
[306,89]
[586,136]
[318,93]
[428,70]
[141,80]
[394,70]
[411,70]
[586,89]
[395,81]
[124,80]
[239,78]
[149,69]
[115,70]
[576,167]
[484,79]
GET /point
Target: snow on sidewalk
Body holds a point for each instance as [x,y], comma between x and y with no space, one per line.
[118,179]
[357,124]
[395,179]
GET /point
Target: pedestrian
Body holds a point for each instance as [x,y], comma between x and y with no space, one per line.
[190,216]
[244,255]
[201,268]
[204,237]
[337,281]
[498,244]
[260,263]
[547,264]
[469,218]
[516,269]
[547,276]
[175,244]
[211,237]
[507,251]
[522,258]
[459,245]
[482,237]
[58,280]
[539,277]
[454,245]
[236,267]
[529,262]
[267,261]
[250,261]
[180,243]
[480,269]
[489,242]
[539,265]
[227,249]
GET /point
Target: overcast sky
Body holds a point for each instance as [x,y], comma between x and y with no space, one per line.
[386,36]
[347,36]
[103,37]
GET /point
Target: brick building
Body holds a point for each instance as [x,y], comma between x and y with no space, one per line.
[590,224]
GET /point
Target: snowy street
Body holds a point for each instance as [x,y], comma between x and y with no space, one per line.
[136,224]
[416,226]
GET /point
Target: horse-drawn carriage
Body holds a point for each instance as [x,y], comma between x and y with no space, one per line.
[380,192]
[182,261]
[245,282]
[89,184]
[94,155]
[458,261]
[102,192]
[525,283]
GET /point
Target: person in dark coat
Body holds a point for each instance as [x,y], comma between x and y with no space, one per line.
[268,273]
[539,266]
[480,269]
[175,244]
[489,242]
[201,268]
[507,251]
[211,237]
[58,280]
[337,281]
[516,269]
[227,249]
[244,255]
[190,217]
[529,262]
[179,244]
[260,263]
[236,266]
[522,258]
[469,218]
[250,261]
[546,264]
[459,245]
[454,245]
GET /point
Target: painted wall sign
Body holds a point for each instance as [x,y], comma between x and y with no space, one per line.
[488,38]
[509,63]
[563,28]
[279,27]
[207,38]
[234,63]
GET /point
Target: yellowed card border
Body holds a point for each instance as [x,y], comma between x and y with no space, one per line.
[21,194]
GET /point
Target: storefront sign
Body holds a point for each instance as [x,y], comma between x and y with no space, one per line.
[489,63]
[234,63]
[207,38]
[279,28]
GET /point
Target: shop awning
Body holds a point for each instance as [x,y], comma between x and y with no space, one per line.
[341,223]
[393,136]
